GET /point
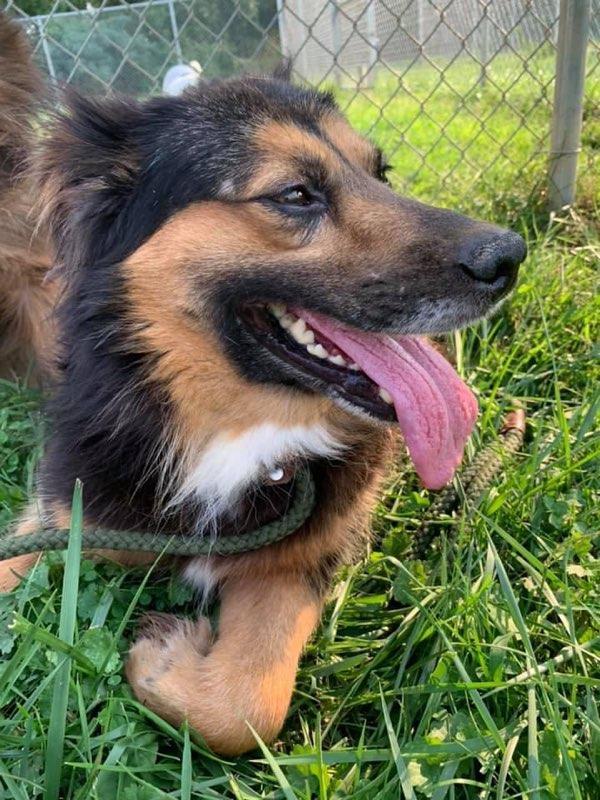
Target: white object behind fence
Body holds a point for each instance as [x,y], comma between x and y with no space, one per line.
[179,77]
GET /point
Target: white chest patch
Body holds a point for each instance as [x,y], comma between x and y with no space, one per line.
[198,572]
[233,462]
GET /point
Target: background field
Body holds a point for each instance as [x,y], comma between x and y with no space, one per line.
[473,674]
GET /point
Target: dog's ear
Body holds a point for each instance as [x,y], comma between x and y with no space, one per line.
[283,71]
[87,170]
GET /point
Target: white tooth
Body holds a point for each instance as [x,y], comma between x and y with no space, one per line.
[307,337]
[339,360]
[300,332]
[298,327]
[287,321]
[354,366]
[278,309]
[386,396]
[317,350]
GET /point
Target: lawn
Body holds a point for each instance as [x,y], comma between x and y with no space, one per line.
[471,674]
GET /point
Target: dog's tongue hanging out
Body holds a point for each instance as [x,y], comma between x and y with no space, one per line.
[435,409]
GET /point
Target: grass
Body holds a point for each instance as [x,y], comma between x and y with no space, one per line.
[473,674]
[446,131]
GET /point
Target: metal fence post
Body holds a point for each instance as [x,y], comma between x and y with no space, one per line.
[46,50]
[303,51]
[373,39]
[283,35]
[573,31]
[485,42]
[335,39]
[175,29]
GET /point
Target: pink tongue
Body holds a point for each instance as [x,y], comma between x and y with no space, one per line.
[435,409]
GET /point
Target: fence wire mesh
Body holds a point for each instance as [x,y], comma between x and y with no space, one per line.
[457,92]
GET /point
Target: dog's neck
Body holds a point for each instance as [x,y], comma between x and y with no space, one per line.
[240,481]
[134,481]
[234,462]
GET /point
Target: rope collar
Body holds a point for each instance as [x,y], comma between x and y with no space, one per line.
[300,509]
[473,481]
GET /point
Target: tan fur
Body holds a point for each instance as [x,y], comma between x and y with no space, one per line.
[245,678]
[351,144]
[26,324]
[284,142]
[13,570]
[25,303]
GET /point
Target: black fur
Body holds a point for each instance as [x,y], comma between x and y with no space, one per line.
[106,415]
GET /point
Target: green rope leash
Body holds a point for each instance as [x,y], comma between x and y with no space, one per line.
[474,480]
[100,539]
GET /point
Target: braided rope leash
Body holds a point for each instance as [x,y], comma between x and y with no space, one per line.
[474,480]
[301,508]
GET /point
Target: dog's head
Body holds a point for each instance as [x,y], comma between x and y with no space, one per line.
[253,247]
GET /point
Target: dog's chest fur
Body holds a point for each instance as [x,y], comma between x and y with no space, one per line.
[232,462]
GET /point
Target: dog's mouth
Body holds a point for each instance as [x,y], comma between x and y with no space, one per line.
[401,379]
[286,334]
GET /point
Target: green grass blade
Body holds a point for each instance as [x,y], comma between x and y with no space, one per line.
[186,765]
[13,786]
[401,767]
[533,757]
[283,782]
[446,776]
[66,632]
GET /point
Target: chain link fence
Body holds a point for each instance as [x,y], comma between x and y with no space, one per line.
[459,93]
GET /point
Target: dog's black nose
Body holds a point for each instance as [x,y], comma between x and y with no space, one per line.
[494,259]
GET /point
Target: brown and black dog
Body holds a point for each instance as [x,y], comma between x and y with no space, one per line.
[237,291]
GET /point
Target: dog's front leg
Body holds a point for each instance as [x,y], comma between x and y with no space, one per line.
[244,675]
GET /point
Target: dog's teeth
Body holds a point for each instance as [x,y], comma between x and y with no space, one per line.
[340,361]
[307,338]
[317,350]
[298,328]
[301,333]
[287,320]
[277,309]
[386,396]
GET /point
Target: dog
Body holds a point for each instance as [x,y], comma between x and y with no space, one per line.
[220,288]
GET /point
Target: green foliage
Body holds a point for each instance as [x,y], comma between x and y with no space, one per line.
[446,133]
[35,7]
[19,446]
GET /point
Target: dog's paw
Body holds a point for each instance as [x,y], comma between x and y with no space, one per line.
[164,643]
[167,629]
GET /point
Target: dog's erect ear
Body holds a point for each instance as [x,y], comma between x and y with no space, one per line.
[283,71]
[87,169]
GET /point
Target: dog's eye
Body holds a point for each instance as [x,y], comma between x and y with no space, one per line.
[295,196]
